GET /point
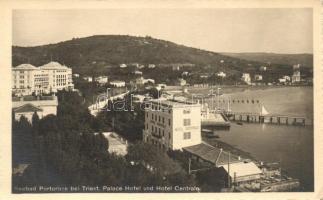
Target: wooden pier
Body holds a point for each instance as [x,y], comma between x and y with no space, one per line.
[270,119]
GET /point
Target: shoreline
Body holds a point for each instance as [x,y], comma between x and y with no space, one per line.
[230,89]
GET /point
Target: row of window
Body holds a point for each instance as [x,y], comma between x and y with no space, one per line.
[159,131]
[159,118]
[41,79]
[61,76]
[159,108]
[186,122]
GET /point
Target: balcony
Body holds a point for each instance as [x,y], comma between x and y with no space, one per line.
[156,135]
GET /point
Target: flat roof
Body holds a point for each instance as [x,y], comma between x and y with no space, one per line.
[242,169]
[174,103]
[212,154]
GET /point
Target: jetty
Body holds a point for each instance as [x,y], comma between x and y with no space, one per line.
[269,118]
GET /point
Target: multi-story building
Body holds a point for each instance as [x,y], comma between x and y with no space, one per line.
[296,78]
[172,125]
[51,77]
[246,78]
[23,78]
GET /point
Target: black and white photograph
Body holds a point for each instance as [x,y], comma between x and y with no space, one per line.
[162,100]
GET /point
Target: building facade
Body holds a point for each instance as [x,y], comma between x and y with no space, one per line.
[51,77]
[296,78]
[101,80]
[118,83]
[246,78]
[172,125]
[27,106]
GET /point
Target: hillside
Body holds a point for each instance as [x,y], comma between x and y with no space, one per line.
[102,54]
[111,50]
[305,60]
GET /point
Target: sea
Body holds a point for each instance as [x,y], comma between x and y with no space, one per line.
[292,146]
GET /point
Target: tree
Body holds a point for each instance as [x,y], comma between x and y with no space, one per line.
[149,155]
[35,119]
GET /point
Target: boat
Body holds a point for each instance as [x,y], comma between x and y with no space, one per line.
[263,111]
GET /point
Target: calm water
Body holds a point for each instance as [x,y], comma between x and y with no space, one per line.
[292,145]
[295,101]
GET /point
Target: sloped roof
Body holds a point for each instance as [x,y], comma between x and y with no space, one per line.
[242,169]
[53,65]
[212,154]
[27,108]
[25,67]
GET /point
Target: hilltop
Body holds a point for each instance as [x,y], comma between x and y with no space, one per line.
[115,49]
[102,54]
[306,60]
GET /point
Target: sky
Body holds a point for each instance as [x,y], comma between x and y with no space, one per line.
[275,30]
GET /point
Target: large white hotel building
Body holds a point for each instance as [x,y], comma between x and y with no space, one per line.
[51,77]
[172,125]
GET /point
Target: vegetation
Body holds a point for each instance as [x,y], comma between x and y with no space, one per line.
[102,54]
[63,150]
[306,60]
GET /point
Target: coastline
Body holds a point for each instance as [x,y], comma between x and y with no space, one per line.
[230,89]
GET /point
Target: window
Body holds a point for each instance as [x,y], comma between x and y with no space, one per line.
[152,116]
[159,118]
[169,122]
[186,111]
[187,122]
[187,135]
[163,120]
